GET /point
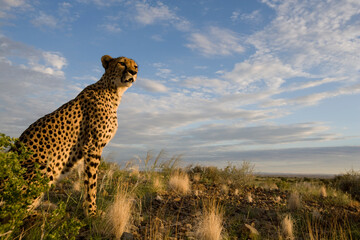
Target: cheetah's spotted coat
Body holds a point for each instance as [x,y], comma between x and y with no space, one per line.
[80,129]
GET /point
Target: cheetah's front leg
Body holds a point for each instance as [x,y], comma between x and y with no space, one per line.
[92,162]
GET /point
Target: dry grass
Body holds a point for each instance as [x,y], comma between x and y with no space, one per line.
[118,214]
[197,177]
[236,192]
[134,171]
[224,189]
[294,201]
[157,184]
[77,186]
[323,192]
[196,192]
[179,182]
[210,225]
[107,177]
[316,214]
[248,197]
[287,228]
[253,233]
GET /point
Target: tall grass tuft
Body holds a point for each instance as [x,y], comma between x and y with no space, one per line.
[287,227]
[294,201]
[118,214]
[157,184]
[323,192]
[337,227]
[210,225]
[224,189]
[179,182]
[248,197]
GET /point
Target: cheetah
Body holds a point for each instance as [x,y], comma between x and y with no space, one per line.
[79,130]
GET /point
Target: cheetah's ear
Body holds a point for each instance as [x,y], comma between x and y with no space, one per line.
[105,61]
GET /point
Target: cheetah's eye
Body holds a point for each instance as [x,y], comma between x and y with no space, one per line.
[122,64]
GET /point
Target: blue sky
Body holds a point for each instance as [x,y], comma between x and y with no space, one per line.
[272,82]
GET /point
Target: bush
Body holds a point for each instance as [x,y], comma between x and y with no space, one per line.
[237,176]
[350,183]
[60,226]
[16,194]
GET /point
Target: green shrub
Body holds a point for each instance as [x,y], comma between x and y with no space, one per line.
[237,176]
[350,183]
[16,194]
[59,225]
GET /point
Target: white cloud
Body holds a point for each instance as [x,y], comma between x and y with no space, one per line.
[307,41]
[112,28]
[8,5]
[163,72]
[207,85]
[160,13]
[263,134]
[313,99]
[217,41]
[315,36]
[45,20]
[263,69]
[201,67]
[51,63]
[54,59]
[86,77]
[12,3]
[151,85]
[147,14]
[157,37]
[235,15]
[315,83]
[61,18]
[42,77]
[254,16]
[102,3]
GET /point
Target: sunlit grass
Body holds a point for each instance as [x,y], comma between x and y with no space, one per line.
[179,182]
[153,198]
[210,223]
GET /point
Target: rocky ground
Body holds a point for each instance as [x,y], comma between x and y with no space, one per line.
[173,216]
[249,211]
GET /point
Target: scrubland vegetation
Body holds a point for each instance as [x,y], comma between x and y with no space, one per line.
[153,198]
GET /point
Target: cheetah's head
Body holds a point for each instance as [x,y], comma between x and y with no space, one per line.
[122,70]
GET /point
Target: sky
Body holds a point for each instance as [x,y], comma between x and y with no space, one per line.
[272,82]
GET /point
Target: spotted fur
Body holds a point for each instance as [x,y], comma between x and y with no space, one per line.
[80,129]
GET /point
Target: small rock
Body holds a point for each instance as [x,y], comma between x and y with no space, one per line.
[127,236]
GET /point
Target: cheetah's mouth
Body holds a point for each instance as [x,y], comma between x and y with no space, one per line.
[130,80]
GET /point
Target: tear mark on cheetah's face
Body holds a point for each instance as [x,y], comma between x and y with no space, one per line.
[80,129]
